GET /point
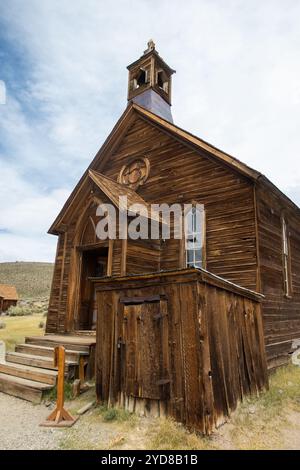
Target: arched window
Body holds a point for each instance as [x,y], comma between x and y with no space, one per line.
[194,228]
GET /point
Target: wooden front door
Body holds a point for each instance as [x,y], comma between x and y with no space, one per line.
[145,354]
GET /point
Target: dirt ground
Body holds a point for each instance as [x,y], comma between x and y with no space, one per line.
[20,420]
[97,429]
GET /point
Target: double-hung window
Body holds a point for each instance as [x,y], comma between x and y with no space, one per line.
[194,229]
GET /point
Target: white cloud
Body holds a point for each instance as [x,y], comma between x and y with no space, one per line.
[25,218]
[237,86]
[22,248]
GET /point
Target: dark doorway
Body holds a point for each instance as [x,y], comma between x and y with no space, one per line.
[94,264]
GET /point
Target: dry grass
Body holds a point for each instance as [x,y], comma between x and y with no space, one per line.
[258,422]
[166,434]
[19,327]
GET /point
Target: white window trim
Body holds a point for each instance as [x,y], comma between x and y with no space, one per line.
[197,232]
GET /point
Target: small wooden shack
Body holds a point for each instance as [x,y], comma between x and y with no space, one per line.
[8,297]
[185,343]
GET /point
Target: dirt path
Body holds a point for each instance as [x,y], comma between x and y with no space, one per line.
[291,433]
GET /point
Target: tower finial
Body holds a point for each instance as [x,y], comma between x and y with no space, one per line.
[151,46]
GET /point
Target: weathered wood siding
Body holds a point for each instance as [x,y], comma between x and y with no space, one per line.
[142,256]
[180,174]
[281,315]
[208,338]
[58,304]
[53,309]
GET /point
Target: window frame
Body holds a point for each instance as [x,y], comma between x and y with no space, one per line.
[286,258]
[202,232]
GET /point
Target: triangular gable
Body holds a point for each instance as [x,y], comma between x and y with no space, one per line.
[132,111]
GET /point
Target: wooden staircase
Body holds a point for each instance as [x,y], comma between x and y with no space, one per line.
[29,372]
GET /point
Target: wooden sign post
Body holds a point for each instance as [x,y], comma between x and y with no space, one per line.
[60,417]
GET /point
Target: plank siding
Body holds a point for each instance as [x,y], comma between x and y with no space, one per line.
[243,232]
[53,309]
[180,175]
[177,175]
[281,315]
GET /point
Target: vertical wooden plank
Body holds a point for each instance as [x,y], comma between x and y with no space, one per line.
[104,345]
[110,257]
[165,338]
[194,413]
[205,378]
[221,401]
[123,257]
[177,398]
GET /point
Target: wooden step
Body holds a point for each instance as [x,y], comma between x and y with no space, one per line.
[23,388]
[72,339]
[27,372]
[35,361]
[52,342]
[48,351]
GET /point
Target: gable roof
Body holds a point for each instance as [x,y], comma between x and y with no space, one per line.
[8,292]
[125,122]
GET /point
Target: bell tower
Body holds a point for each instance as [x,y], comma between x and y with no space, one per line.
[149,82]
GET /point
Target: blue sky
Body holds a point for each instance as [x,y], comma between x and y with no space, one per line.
[64,66]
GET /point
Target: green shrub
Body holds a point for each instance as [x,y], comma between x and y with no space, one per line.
[115,414]
[2,325]
[51,395]
[111,414]
[19,311]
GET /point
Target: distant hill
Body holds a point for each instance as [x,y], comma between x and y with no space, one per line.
[32,280]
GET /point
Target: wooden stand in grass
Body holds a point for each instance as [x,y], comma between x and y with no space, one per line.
[60,417]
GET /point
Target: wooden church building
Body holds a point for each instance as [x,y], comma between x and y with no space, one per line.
[186,327]
[190,328]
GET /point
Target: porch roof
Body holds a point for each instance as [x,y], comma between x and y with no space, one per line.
[116,192]
[185,274]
